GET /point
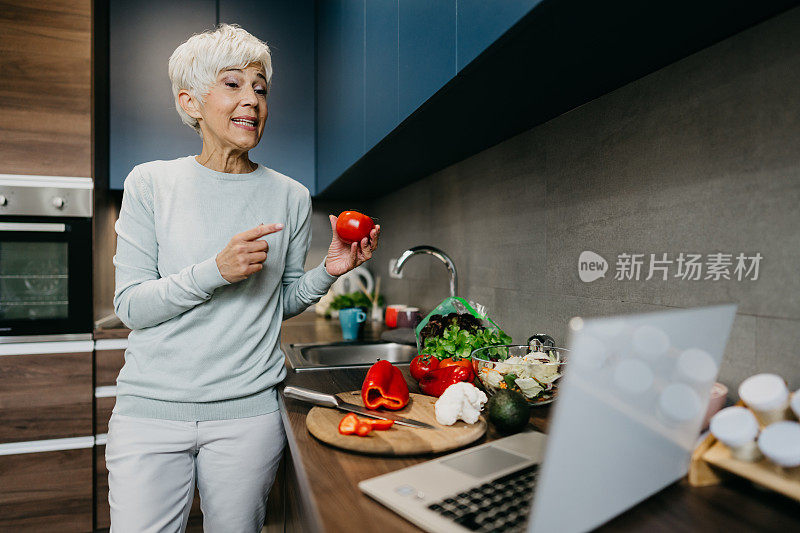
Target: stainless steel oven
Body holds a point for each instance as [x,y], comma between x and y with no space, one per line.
[45,258]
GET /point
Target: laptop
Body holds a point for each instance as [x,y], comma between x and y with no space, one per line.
[627,417]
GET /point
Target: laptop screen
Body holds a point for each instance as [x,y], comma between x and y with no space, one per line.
[629,412]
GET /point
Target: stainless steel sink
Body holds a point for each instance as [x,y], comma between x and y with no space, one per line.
[304,357]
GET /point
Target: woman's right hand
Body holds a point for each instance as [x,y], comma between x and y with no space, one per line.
[245,255]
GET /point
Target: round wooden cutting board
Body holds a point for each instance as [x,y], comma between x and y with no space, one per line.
[323,423]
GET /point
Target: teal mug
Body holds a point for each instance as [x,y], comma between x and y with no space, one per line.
[351,319]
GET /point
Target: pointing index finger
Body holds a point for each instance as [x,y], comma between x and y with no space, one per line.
[260,231]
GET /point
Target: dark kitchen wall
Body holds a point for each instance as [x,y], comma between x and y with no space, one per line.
[702,157]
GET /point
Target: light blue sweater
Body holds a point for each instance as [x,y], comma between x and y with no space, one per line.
[202,348]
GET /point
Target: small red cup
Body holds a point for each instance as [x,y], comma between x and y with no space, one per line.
[391,315]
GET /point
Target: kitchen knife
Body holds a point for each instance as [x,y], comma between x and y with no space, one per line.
[329,400]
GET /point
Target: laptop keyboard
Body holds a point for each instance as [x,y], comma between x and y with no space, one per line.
[500,505]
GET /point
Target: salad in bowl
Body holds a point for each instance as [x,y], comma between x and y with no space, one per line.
[533,371]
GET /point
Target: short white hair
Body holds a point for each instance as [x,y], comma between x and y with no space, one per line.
[195,65]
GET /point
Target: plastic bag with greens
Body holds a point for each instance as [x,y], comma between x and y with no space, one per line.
[455,328]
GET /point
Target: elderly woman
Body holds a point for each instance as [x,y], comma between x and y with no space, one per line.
[209,261]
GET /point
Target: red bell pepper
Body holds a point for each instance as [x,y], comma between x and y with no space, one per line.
[436,381]
[378,423]
[355,425]
[466,363]
[363,428]
[384,386]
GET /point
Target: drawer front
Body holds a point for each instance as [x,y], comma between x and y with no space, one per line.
[108,363]
[101,484]
[45,396]
[101,499]
[46,491]
[103,408]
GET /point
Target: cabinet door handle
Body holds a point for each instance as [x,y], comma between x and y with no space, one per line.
[108,391]
[50,445]
[33,226]
[58,347]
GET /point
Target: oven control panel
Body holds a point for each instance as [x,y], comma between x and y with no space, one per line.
[55,196]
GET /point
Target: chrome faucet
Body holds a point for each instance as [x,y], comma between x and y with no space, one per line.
[435,252]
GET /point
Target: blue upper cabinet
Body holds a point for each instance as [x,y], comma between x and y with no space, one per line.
[143,123]
[480,23]
[381,75]
[287,26]
[427,55]
[340,87]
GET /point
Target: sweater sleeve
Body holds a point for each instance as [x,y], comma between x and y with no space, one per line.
[142,298]
[301,289]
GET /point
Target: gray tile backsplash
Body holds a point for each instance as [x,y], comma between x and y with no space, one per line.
[776,347]
[702,156]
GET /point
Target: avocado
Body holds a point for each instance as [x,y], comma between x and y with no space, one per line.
[508,411]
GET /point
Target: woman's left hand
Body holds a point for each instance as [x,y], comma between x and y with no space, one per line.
[344,257]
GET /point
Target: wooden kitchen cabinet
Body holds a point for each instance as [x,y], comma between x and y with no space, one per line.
[101,505]
[45,109]
[109,356]
[46,436]
[103,408]
[45,395]
[108,362]
[298,517]
[46,491]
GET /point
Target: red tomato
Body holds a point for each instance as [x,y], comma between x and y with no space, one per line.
[421,365]
[353,226]
[449,361]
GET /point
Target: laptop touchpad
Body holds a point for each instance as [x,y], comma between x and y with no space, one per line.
[484,461]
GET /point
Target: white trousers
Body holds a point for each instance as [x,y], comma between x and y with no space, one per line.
[153,466]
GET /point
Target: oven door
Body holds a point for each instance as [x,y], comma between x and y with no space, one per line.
[45,276]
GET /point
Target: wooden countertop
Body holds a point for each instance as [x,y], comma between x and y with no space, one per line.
[328,477]
[111,333]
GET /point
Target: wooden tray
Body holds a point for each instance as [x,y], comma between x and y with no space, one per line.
[712,460]
[323,423]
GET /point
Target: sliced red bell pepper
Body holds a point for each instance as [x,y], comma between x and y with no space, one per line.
[378,423]
[363,428]
[355,425]
[384,386]
[348,424]
[436,381]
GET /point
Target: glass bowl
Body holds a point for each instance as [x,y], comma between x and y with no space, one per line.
[534,374]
